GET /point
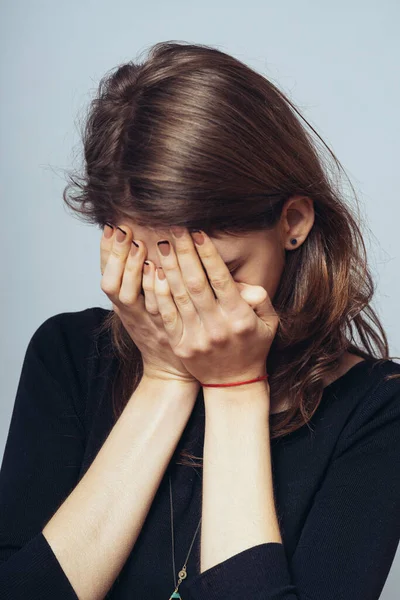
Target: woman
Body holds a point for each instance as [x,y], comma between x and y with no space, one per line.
[219,433]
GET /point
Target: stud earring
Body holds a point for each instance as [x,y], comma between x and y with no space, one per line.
[293,241]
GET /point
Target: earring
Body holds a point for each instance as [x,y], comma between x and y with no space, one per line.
[293,241]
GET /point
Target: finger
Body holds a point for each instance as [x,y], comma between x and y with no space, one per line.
[187,279]
[150,300]
[115,265]
[166,305]
[217,275]
[131,285]
[182,291]
[106,243]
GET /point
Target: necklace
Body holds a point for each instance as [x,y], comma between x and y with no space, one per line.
[182,573]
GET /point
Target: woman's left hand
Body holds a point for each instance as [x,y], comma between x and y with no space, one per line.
[219,339]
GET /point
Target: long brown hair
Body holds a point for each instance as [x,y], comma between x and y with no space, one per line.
[192,136]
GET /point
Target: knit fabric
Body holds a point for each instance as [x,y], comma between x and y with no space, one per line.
[336,484]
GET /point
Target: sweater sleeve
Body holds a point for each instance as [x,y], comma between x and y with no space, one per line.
[351,533]
[40,467]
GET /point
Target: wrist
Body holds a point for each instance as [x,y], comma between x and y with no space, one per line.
[236,381]
[254,387]
[170,379]
[169,391]
[171,383]
[257,394]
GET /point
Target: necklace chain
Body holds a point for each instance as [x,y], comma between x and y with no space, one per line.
[182,573]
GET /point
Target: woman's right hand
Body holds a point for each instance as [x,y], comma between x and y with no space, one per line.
[123,280]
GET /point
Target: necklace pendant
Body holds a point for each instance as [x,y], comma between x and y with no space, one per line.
[176,595]
[182,574]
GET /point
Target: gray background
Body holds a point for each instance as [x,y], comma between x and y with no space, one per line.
[338,62]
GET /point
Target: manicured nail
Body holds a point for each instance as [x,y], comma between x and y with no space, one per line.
[198,237]
[108,230]
[146,267]
[121,235]
[164,247]
[177,231]
[160,273]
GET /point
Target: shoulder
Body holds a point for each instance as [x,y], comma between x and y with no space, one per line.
[75,330]
[376,413]
[74,324]
[68,337]
[381,379]
[64,345]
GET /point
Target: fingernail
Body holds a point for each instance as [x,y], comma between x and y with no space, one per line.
[198,237]
[108,230]
[164,247]
[146,267]
[121,234]
[177,231]
[160,273]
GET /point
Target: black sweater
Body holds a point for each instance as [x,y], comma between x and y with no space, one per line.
[337,484]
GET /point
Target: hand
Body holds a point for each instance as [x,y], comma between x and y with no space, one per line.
[122,283]
[212,329]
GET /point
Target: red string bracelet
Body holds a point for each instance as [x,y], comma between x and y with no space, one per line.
[238,383]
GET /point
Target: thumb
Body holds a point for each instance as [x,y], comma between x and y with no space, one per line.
[257,297]
[252,294]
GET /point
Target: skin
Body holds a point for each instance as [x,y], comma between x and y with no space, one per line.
[259,257]
[96,527]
